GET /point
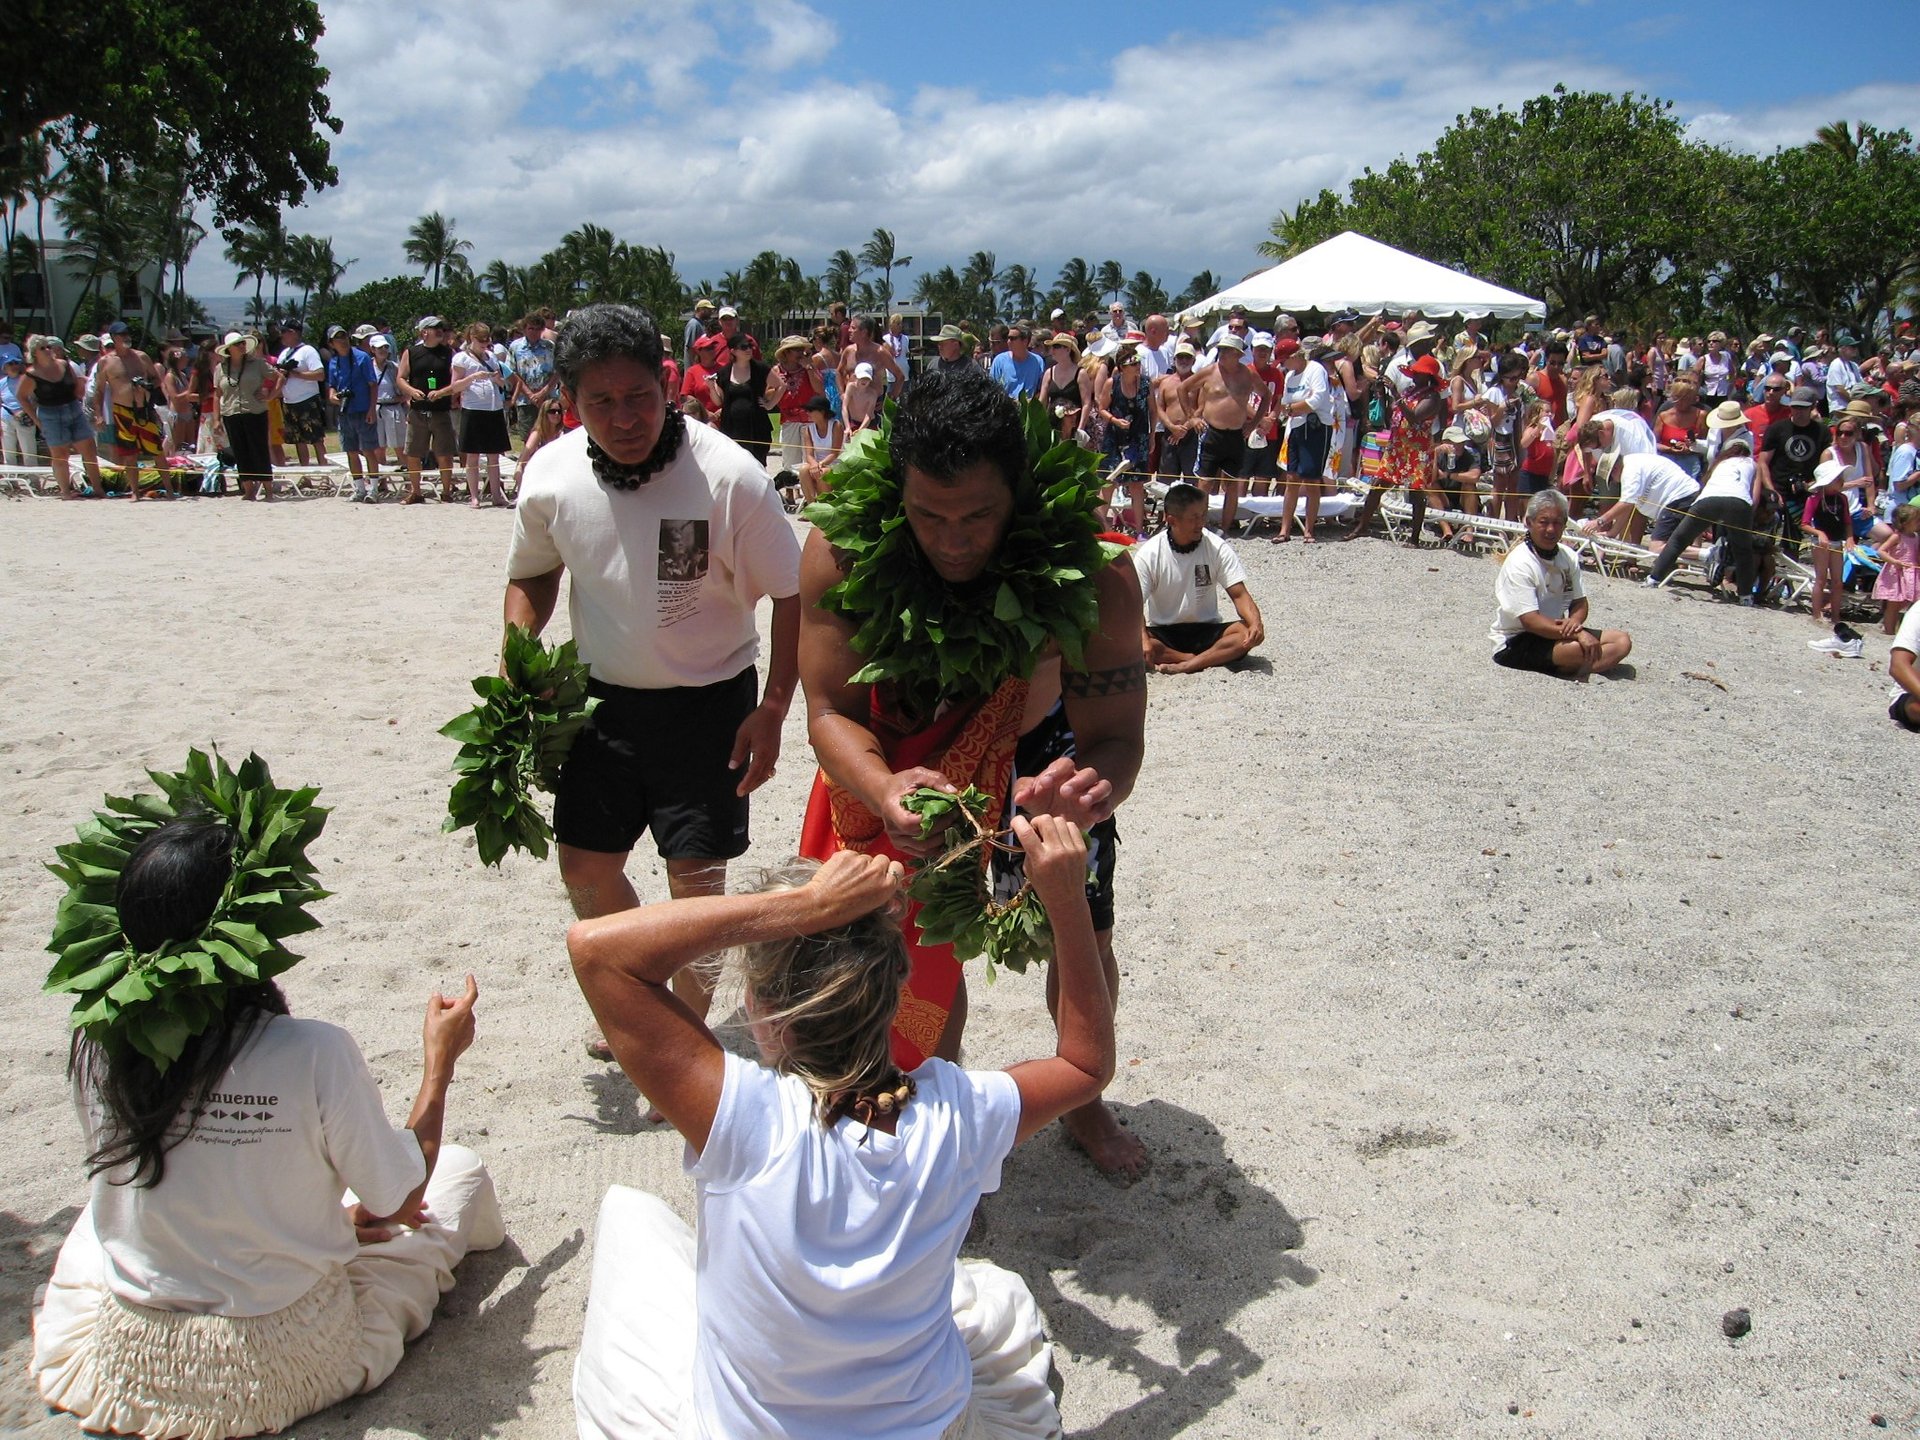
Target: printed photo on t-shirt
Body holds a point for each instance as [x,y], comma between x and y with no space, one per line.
[683,550]
[1202,575]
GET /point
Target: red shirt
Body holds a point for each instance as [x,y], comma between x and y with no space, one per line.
[1759,417]
[793,400]
[1552,388]
[1274,377]
[695,384]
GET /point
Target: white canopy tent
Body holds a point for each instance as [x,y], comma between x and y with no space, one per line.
[1351,272]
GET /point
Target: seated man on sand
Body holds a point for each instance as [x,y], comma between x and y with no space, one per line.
[1540,623]
[1905,709]
[1182,571]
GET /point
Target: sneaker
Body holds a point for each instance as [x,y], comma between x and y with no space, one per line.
[1849,650]
[1833,645]
[1748,601]
[1649,583]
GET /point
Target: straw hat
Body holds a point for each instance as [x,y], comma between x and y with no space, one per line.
[1727,415]
[1065,337]
[1861,410]
[792,342]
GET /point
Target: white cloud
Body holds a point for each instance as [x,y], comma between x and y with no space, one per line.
[658,121]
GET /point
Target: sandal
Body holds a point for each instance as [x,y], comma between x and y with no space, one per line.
[413,500]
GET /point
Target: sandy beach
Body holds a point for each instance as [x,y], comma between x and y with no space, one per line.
[1492,1035]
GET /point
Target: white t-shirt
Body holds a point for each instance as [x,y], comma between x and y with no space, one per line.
[1186,589]
[825,1273]
[1842,376]
[1732,479]
[1527,583]
[1653,483]
[664,579]
[1309,384]
[1631,433]
[248,1216]
[1156,360]
[484,394]
[304,357]
[1907,637]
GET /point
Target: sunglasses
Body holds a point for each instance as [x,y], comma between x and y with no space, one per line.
[1846,430]
[555,413]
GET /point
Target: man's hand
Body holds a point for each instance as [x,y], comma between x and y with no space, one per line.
[903,826]
[850,885]
[756,744]
[1068,791]
[449,1028]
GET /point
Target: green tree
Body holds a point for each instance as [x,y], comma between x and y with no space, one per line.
[432,245]
[1019,290]
[1110,279]
[1145,296]
[879,254]
[1198,288]
[1586,199]
[843,269]
[1076,289]
[105,236]
[237,96]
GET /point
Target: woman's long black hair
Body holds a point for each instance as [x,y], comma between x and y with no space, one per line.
[168,891]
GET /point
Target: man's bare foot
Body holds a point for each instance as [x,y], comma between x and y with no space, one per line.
[1115,1151]
[597,1047]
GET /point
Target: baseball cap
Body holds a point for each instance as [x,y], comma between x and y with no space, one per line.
[12,354]
[333,330]
[292,322]
[89,343]
[863,371]
[1259,338]
[118,327]
[1454,435]
[378,342]
[727,312]
[1185,347]
[1802,396]
[702,304]
[364,332]
[1231,341]
[1285,346]
[431,322]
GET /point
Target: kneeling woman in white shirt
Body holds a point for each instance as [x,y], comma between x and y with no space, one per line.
[824,1296]
[216,1284]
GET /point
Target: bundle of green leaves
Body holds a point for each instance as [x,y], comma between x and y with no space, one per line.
[513,742]
[954,887]
[934,642]
[156,1002]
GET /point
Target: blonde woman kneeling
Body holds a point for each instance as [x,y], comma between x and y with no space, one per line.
[824,1296]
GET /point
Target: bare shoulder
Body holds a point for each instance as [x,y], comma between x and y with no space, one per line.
[1118,584]
[821,567]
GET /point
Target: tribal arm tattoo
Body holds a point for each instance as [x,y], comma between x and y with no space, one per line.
[1099,684]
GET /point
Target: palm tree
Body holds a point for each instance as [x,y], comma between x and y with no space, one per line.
[843,269]
[878,254]
[311,265]
[1286,235]
[432,245]
[1198,288]
[501,280]
[1145,295]
[104,233]
[1076,287]
[1110,279]
[1841,138]
[1018,290]
[248,257]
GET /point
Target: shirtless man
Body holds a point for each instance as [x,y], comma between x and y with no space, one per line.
[136,421]
[1176,428]
[866,349]
[958,443]
[1226,396]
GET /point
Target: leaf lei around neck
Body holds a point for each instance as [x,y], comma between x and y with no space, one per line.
[156,1002]
[933,643]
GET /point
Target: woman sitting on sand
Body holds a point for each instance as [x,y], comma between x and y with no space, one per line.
[824,1297]
[215,1284]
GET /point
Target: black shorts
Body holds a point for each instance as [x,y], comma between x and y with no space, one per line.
[1039,748]
[1901,712]
[1192,637]
[1223,453]
[1532,483]
[1307,448]
[483,432]
[1180,456]
[1528,651]
[304,421]
[657,760]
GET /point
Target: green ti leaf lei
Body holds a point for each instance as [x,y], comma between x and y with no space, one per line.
[930,642]
[158,1001]
[513,742]
[954,887]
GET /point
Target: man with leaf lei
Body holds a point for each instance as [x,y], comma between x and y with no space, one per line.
[671,535]
[966,630]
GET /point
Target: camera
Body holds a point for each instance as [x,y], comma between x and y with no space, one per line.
[287,366]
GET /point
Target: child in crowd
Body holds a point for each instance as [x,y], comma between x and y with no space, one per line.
[824,1296]
[1829,524]
[1899,582]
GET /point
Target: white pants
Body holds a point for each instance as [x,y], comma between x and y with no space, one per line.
[19,441]
[633,1378]
[793,444]
[106,1361]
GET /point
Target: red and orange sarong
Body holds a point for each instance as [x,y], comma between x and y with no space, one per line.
[972,745]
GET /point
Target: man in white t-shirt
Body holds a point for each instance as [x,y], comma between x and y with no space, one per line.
[672,534]
[303,414]
[1183,571]
[1843,371]
[1654,495]
[1540,615]
[1905,709]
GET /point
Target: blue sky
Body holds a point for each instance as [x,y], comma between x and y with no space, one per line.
[1163,136]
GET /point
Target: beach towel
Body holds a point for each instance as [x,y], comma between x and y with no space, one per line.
[633,1377]
[970,745]
[136,428]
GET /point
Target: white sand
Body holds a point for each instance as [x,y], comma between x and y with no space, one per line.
[1492,1035]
